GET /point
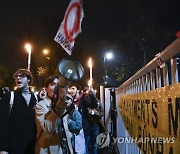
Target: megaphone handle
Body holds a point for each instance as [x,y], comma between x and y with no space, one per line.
[68,83]
[67,112]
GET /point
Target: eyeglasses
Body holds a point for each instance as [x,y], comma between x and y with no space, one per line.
[19,75]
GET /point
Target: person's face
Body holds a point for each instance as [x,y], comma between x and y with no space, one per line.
[21,81]
[42,93]
[50,88]
[86,92]
[73,91]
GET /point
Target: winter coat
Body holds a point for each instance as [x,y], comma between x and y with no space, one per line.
[75,126]
[85,103]
[17,128]
[75,121]
[48,125]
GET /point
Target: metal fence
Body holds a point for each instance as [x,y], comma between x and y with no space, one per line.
[162,71]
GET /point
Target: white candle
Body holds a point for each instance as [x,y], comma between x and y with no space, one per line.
[90,67]
[29,59]
[28,48]
[90,71]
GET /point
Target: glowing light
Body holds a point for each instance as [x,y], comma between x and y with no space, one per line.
[45,51]
[109,55]
[32,89]
[90,72]
[15,87]
[70,71]
[28,48]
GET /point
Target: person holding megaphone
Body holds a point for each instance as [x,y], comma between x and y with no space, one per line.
[53,135]
[52,113]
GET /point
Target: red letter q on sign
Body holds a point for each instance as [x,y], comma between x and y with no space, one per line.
[73,16]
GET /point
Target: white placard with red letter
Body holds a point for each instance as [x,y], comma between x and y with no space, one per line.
[71,26]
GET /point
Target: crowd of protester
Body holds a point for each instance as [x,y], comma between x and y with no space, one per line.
[59,120]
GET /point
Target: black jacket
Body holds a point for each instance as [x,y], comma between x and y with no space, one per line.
[85,103]
[17,129]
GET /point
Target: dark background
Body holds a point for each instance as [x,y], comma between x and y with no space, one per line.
[134,30]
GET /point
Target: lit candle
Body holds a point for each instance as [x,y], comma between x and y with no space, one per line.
[28,48]
[90,72]
[29,59]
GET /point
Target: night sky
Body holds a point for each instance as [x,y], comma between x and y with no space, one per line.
[38,22]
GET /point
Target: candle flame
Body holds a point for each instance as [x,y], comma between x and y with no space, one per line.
[28,47]
[90,62]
